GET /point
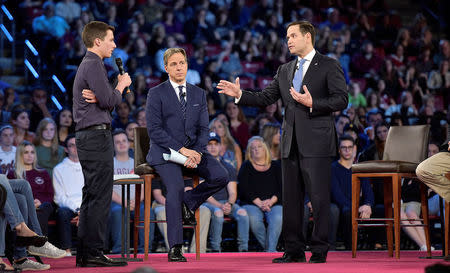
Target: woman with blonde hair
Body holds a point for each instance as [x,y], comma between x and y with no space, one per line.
[49,152]
[229,149]
[271,135]
[39,179]
[260,193]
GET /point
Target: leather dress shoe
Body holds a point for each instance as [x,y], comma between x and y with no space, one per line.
[36,240]
[176,255]
[290,258]
[318,257]
[99,260]
[188,215]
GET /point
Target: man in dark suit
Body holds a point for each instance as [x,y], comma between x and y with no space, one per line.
[312,87]
[177,118]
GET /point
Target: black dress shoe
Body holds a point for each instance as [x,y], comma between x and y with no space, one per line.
[99,260]
[290,258]
[176,255]
[188,215]
[318,257]
[36,240]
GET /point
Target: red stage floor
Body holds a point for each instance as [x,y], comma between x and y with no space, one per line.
[373,261]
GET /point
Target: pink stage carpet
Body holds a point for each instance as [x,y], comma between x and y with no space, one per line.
[373,261]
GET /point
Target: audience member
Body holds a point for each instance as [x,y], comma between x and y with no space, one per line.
[260,193]
[7,150]
[229,150]
[21,125]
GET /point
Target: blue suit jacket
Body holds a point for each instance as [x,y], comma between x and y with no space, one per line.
[166,126]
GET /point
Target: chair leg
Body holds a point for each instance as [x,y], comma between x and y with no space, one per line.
[356,187]
[396,190]
[424,203]
[147,201]
[447,221]
[197,234]
[137,214]
[387,186]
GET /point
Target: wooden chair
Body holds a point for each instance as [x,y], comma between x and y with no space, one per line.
[145,171]
[405,148]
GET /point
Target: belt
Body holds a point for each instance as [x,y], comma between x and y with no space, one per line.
[98,127]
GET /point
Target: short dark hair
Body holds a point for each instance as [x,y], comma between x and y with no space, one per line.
[118,131]
[346,137]
[94,30]
[341,116]
[69,137]
[305,27]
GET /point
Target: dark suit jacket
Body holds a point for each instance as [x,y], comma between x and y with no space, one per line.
[314,131]
[166,126]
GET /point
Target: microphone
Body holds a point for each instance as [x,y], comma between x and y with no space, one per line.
[121,71]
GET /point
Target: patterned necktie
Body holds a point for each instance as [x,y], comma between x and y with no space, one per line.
[298,76]
[182,100]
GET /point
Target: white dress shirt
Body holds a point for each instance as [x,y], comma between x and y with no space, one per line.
[177,90]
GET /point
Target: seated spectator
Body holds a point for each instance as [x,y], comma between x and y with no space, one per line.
[49,23]
[224,203]
[124,164]
[40,182]
[159,194]
[48,151]
[68,9]
[440,78]
[341,189]
[68,182]
[333,21]
[271,133]
[21,125]
[39,109]
[259,122]
[7,150]
[4,115]
[376,149]
[260,193]
[122,116]
[129,130]
[406,109]
[229,150]
[340,123]
[366,61]
[139,117]
[355,97]
[24,223]
[410,210]
[373,119]
[65,125]
[238,124]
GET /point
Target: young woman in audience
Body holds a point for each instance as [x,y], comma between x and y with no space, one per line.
[229,149]
[238,124]
[40,182]
[21,123]
[48,151]
[259,191]
[271,135]
[65,124]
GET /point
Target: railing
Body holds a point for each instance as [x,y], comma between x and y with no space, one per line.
[8,31]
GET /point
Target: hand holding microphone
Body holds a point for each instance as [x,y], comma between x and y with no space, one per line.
[123,78]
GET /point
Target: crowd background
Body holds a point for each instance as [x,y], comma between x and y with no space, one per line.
[396,67]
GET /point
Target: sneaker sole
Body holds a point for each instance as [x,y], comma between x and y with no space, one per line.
[47,256]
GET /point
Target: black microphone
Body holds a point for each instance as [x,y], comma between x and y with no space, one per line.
[121,71]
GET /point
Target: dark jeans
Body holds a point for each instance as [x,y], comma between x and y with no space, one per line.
[63,217]
[43,213]
[95,151]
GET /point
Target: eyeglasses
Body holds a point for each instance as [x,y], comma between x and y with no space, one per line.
[348,148]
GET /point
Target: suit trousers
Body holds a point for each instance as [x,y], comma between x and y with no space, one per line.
[96,153]
[216,177]
[302,175]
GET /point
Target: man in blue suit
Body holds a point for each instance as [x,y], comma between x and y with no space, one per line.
[177,118]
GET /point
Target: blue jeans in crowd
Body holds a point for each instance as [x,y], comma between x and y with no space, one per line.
[19,209]
[215,228]
[63,217]
[267,238]
[115,224]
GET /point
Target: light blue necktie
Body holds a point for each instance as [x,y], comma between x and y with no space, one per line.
[298,76]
